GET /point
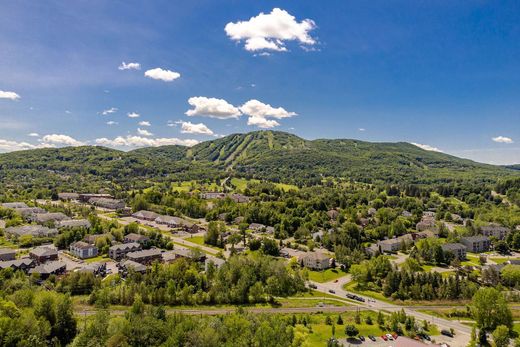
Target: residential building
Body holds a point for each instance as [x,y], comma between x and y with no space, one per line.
[426,224]
[257,227]
[118,252]
[83,250]
[86,197]
[128,265]
[176,222]
[91,238]
[145,215]
[495,230]
[27,212]
[33,230]
[239,198]
[68,196]
[98,268]
[315,260]
[23,264]
[43,254]
[476,244]
[73,223]
[48,217]
[212,195]
[333,214]
[14,205]
[137,238]
[426,234]
[390,245]
[184,253]
[457,249]
[406,214]
[50,268]
[146,256]
[108,203]
[217,262]
[7,254]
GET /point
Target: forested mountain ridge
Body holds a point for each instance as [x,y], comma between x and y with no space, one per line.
[271,155]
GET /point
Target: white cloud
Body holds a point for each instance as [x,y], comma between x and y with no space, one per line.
[9,95]
[163,75]
[9,146]
[270,31]
[133,115]
[361,129]
[144,132]
[256,108]
[67,112]
[212,107]
[426,147]
[191,128]
[129,66]
[109,111]
[33,134]
[111,122]
[60,139]
[145,123]
[262,122]
[137,141]
[503,139]
[170,123]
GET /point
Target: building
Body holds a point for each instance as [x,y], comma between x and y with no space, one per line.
[333,214]
[118,252]
[457,249]
[426,234]
[91,238]
[98,268]
[50,268]
[183,253]
[14,205]
[23,264]
[68,196]
[426,224]
[212,195]
[404,341]
[137,238]
[7,254]
[128,265]
[87,196]
[43,254]
[476,244]
[146,215]
[73,223]
[239,198]
[83,250]
[27,212]
[33,230]
[494,230]
[257,227]
[108,203]
[390,245]
[176,222]
[406,214]
[48,217]
[217,262]
[146,256]
[315,260]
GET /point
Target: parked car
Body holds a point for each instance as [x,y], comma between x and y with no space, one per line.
[446,333]
[313,286]
[389,337]
[332,291]
[361,337]
[384,337]
[372,337]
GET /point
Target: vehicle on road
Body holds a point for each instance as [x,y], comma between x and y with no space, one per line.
[313,286]
[332,291]
[446,333]
[336,281]
[372,337]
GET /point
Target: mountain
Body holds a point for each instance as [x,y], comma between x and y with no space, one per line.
[271,155]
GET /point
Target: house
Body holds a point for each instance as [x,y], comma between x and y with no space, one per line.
[118,252]
[390,245]
[426,234]
[217,262]
[495,230]
[27,212]
[371,211]
[136,238]
[43,254]
[50,268]
[91,238]
[457,249]
[98,268]
[33,230]
[333,214]
[131,265]
[428,214]
[86,197]
[146,256]
[406,214]
[2,224]
[257,227]
[239,198]
[315,260]
[68,196]
[7,254]
[426,224]
[184,253]
[83,250]
[476,244]
[73,223]
[14,205]
[23,264]
[108,203]
[176,222]
[41,218]
[212,195]
[145,215]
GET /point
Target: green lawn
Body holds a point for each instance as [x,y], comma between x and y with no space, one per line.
[98,258]
[325,276]
[351,287]
[241,184]
[502,260]
[199,240]
[5,243]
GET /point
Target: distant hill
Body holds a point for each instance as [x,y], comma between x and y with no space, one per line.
[272,155]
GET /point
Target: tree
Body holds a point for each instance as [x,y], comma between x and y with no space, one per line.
[340,320]
[351,330]
[501,336]
[65,327]
[489,309]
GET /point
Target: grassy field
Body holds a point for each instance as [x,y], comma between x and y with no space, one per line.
[199,240]
[325,276]
[241,184]
[7,244]
[98,258]
[351,287]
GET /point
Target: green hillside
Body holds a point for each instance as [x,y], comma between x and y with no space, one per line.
[276,156]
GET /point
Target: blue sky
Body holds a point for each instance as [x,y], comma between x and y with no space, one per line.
[443,74]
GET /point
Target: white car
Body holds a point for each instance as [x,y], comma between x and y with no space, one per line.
[390,337]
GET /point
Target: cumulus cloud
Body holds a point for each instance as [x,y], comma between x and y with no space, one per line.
[270,31]
[191,128]
[262,122]
[503,139]
[60,139]
[171,123]
[144,132]
[426,147]
[137,141]
[256,108]
[9,146]
[212,107]
[129,66]
[9,95]
[33,134]
[111,122]
[133,115]
[109,111]
[145,123]
[163,75]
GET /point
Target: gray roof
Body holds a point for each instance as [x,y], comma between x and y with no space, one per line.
[130,264]
[82,245]
[452,246]
[48,268]
[145,214]
[317,256]
[44,251]
[14,205]
[125,246]
[74,223]
[136,237]
[34,230]
[477,238]
[46,217]
[7,251]
[144,253]
[16,263]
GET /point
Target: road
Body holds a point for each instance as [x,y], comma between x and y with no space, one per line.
[463,332]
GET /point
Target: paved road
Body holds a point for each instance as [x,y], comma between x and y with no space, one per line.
[463,332]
